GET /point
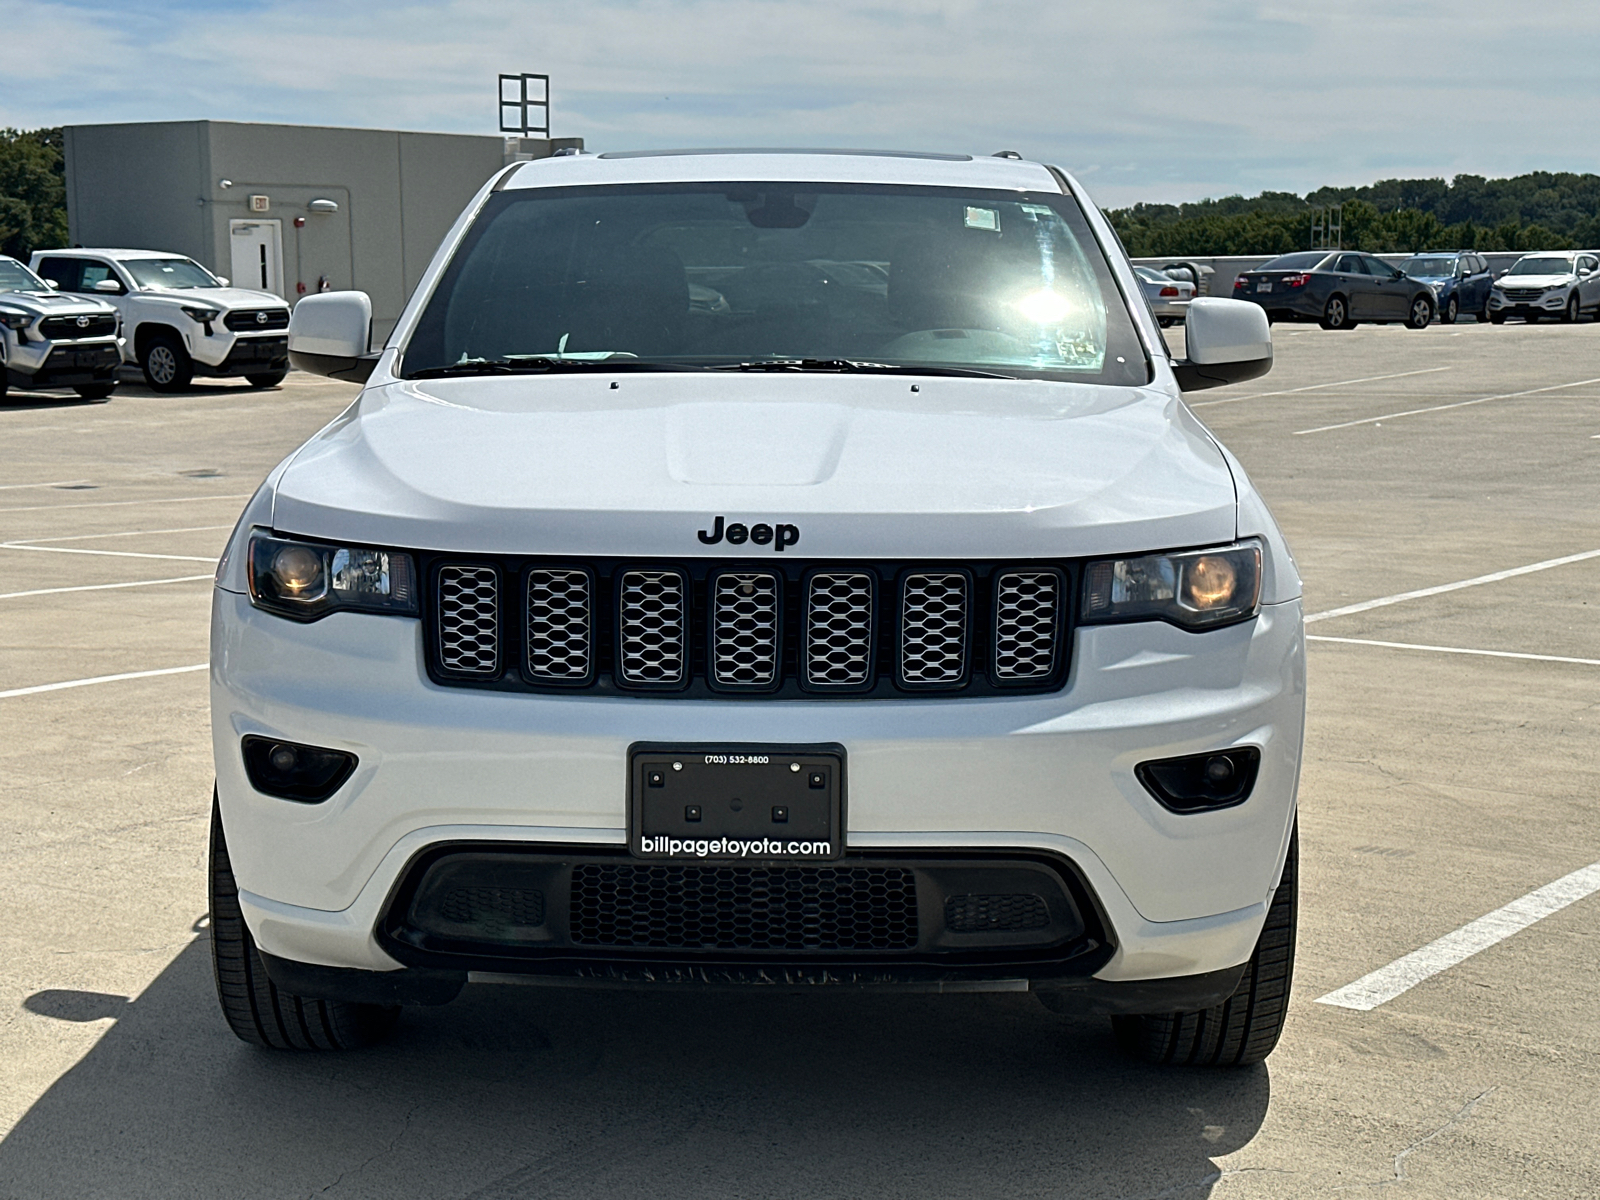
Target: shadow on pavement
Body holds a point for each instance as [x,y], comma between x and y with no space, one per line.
[521,1091]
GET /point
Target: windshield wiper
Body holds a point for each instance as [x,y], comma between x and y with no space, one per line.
[843,365]
[532,364]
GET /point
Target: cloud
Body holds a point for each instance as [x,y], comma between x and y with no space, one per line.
[1171,100]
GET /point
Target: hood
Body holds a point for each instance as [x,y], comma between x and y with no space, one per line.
[1535,281]
[53,304]
[857,466]
[224,298]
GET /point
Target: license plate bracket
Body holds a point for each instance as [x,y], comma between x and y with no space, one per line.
[736,803]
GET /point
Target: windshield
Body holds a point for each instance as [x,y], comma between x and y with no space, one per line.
[14,277]
[722,274]
[169,273]
[1545,265]
[1151,275]
[1302,261]
[1420,268]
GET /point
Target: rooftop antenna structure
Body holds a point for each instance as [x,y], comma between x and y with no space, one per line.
[525,105]
[1327,228]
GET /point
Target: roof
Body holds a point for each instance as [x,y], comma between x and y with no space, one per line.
[112,252]
[819,166]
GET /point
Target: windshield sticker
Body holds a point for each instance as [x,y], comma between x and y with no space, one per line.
[983,218]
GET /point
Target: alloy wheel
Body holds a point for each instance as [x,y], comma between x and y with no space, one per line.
[163,364]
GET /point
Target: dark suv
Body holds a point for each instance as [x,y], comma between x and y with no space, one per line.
[1336,288]
[1460,281]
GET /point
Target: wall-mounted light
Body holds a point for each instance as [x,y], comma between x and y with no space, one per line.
[324,206]
[224,183]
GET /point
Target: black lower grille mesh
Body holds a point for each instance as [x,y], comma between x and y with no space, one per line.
[493,906]
[995,914]
[744,908]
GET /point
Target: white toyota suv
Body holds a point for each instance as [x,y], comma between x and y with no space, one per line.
[779,569]
[180,320]
[51,341]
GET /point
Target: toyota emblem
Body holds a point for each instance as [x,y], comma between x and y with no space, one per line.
[83,322]
[261,318]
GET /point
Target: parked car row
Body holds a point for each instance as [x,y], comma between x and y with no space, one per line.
[77,315]
[1339,289]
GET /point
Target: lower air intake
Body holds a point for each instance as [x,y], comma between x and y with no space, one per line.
[743,908]
[493,906]
[995,914]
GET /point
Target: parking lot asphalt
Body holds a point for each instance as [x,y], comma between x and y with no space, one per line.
[1451,769]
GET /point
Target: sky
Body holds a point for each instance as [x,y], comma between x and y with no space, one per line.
[1143,100]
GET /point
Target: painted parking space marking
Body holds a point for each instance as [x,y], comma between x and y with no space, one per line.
[124,503]
[103,587]
[1412,412]
[90,537]
[1555,658]
[59,483]
[1318,386]
[1405,973]
[205,558]
[78,683]
[1441,589]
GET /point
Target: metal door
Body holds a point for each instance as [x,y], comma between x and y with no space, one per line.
[1391,289]
[1357,286]
[257,254]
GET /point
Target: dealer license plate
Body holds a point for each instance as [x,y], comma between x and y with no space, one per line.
[1263,287]
[736,803]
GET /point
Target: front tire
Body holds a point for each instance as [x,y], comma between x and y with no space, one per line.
[1452,310]
[1570,314]
[1485,316]
[1497,318]
[1421,314]
[256,1009]
[94,391]
[265,379]
[1244,1028]
[1336,314]
[167,365]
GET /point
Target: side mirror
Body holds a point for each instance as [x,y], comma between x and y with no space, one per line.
[223,280]
[109,286]
[1229,341]
[55,284]
[328,335]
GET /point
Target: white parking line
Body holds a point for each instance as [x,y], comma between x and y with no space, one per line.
[1586,662]
[123,503]
[1493,577]
[1315,386]
[108,553]
[89,537]
[101,587]
[1412,412]
[77,683]
[11,487]
[1405,973]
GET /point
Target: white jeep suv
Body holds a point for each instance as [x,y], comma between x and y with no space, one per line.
[180,319]
[51,341]
[777,569]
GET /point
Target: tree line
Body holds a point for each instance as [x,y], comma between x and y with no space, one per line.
[1540,211]
[33,191]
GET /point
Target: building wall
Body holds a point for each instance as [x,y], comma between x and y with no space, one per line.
[158,186]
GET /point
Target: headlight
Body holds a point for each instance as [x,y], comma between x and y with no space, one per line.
[204,315]
[1197,589]
[306,580]
[16,320]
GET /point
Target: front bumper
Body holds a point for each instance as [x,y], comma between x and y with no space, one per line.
[1045,775]
[225,353]
[1296,304]
[1554,303]
[62,364]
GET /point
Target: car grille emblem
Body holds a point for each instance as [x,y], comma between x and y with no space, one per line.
[261,318]
[83,322]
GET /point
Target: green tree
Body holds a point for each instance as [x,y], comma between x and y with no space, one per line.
[33,192]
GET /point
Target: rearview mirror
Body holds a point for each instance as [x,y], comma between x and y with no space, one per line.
[329,333]
[1229,341]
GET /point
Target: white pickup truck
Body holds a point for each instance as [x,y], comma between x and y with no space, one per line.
[180,320]
[765,569]
[53,341]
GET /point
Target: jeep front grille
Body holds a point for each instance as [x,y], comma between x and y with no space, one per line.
[744,631]
[469,620]
[933,629]
[839,629]
[652,614]
[560,627]
[1027,610]
[791,629]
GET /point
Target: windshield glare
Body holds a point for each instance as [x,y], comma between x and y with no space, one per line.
[14,277]
[169,273]
[1550,265]
[722,273]
[1430,267]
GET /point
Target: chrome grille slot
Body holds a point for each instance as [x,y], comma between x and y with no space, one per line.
[838,650]
[469,619]
[744,629]
[933,629]
[1027,607]
[560,626]
[651,618]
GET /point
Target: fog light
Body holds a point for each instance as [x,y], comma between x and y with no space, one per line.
[1202,782]
[290,771]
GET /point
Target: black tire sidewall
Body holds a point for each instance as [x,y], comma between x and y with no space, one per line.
[184,369]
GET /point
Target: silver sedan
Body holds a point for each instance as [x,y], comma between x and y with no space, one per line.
[1168,297]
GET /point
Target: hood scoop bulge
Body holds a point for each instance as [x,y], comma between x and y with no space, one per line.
[755,445]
